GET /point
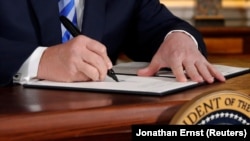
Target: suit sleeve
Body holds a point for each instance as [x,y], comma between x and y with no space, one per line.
[152,23]
[12,56]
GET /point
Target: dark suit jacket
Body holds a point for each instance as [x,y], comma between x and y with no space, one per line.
[135,27]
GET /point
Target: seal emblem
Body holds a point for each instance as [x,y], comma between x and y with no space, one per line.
[225,107]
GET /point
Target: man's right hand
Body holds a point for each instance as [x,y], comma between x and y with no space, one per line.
[79,59]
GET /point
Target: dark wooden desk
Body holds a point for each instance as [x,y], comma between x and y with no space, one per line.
[226,39]
[41,114]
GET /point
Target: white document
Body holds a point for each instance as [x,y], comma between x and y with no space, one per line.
[131,68]
[160,84]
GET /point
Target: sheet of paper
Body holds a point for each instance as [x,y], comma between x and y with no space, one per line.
[134,84]
[227,70]
[131,68]
[127,83]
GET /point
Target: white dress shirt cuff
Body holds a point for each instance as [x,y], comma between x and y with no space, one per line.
[29,68]
[183,31]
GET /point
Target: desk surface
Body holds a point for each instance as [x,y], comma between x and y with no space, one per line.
[225,31]
[43,114]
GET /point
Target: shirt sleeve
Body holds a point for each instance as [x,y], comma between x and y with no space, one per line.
[29,68]
[183,31]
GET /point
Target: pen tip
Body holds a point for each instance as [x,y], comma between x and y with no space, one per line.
[116,79]
[111,73]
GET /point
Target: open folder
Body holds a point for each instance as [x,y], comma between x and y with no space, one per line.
[162,83]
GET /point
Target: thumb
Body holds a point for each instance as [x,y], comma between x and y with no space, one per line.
[150,70]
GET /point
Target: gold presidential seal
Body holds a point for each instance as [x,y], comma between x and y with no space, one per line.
[226,107]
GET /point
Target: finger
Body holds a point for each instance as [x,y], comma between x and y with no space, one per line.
[193,73]
[205,72]
[150,70]
[87,70]
[101,50]
[179,73]
[96,61]
[177,67]
[81,77]
[216,74]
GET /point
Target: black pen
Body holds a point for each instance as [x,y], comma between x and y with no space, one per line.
[75,32]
